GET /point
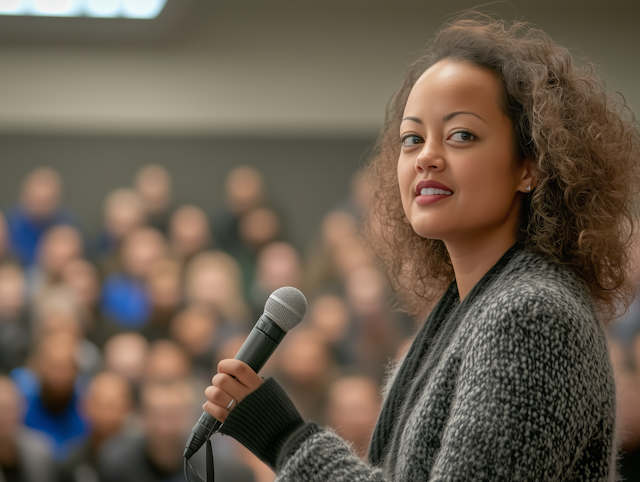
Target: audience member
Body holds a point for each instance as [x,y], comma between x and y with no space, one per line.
[378,333]
[125,296]
[58,313]
[278,265]
[124,212]
[5,248]
[213,279]
[154,184]
[15,335]
[336,254]
[258,227]
[189,232]
[195,329]
[167,418]
[244,190]
[306,368]
[25,454]
[352,411]
[38,210]
[126,355]
[106,405]
[165,297]
[627,374]
[361,194]
[330,316]
[59,246]
[51,393]
[81,279]
[166,361]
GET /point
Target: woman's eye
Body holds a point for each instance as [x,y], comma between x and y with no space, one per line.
[462,136]
[411,140]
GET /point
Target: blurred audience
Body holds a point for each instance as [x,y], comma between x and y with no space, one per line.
[338,252]
[106,405]
[196,328]
[329,315]
[166,361]
[52,393]
[213,279]
[15,333]
[59,246]
[626,365]
[306,369]
[125,294]
[278,265]
[124,212]
[189,232]
[167,418]
[58,313]
[154,185]
[258,227]
[244,190]
[352,411]
[126,355]
[165,297]
[81,279]
[38,210]
[5,248]
[25,454]
[378,332]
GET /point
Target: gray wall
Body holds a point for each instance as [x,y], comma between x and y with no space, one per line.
[286,67]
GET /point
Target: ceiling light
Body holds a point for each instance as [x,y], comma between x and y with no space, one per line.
[83,8]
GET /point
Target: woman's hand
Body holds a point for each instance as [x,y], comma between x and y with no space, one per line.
[234,381]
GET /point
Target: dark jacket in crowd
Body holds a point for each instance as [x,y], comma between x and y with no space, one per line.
[35,463]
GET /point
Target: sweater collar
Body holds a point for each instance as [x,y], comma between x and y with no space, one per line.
[495,270]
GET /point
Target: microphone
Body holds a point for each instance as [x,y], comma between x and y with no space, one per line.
[284,309]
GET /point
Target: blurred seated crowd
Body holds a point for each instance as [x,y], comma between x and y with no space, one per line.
[107,341]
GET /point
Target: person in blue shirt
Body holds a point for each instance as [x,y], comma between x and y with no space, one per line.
[38,210]
[51,393]
[125,297]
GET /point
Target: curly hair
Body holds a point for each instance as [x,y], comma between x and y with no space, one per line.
[583,142]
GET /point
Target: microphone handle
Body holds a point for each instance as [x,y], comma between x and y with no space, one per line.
[255,351]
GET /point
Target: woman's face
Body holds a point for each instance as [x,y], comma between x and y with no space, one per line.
[457,174]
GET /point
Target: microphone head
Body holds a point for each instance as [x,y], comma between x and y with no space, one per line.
[286,307]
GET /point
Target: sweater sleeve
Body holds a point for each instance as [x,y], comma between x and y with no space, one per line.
[268,424]
[534,397]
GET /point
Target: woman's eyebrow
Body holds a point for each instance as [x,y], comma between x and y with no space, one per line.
[451,115]
[414,119]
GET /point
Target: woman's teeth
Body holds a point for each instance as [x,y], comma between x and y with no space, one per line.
[430,191]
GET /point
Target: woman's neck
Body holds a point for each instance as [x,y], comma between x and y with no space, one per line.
[473,256]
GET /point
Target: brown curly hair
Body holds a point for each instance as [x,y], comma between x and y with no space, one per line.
[583,142]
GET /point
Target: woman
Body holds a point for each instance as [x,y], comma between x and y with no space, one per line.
[506,178]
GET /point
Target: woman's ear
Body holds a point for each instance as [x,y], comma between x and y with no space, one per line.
[529,179]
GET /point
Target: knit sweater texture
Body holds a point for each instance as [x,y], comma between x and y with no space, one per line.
[514,383]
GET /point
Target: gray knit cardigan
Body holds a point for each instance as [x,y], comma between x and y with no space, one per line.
[524,390]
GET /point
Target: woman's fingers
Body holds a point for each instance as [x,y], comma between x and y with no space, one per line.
[241,372]
[220,398]
[233,383]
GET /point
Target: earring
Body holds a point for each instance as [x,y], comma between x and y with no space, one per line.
[528,188]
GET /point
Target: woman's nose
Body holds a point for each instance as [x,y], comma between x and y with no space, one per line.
[430,157]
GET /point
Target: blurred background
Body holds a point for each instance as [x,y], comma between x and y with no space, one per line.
[161,177]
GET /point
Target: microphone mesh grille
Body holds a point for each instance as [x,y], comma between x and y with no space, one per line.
[294,298]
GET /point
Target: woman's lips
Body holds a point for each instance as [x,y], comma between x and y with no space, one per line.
[431,191]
